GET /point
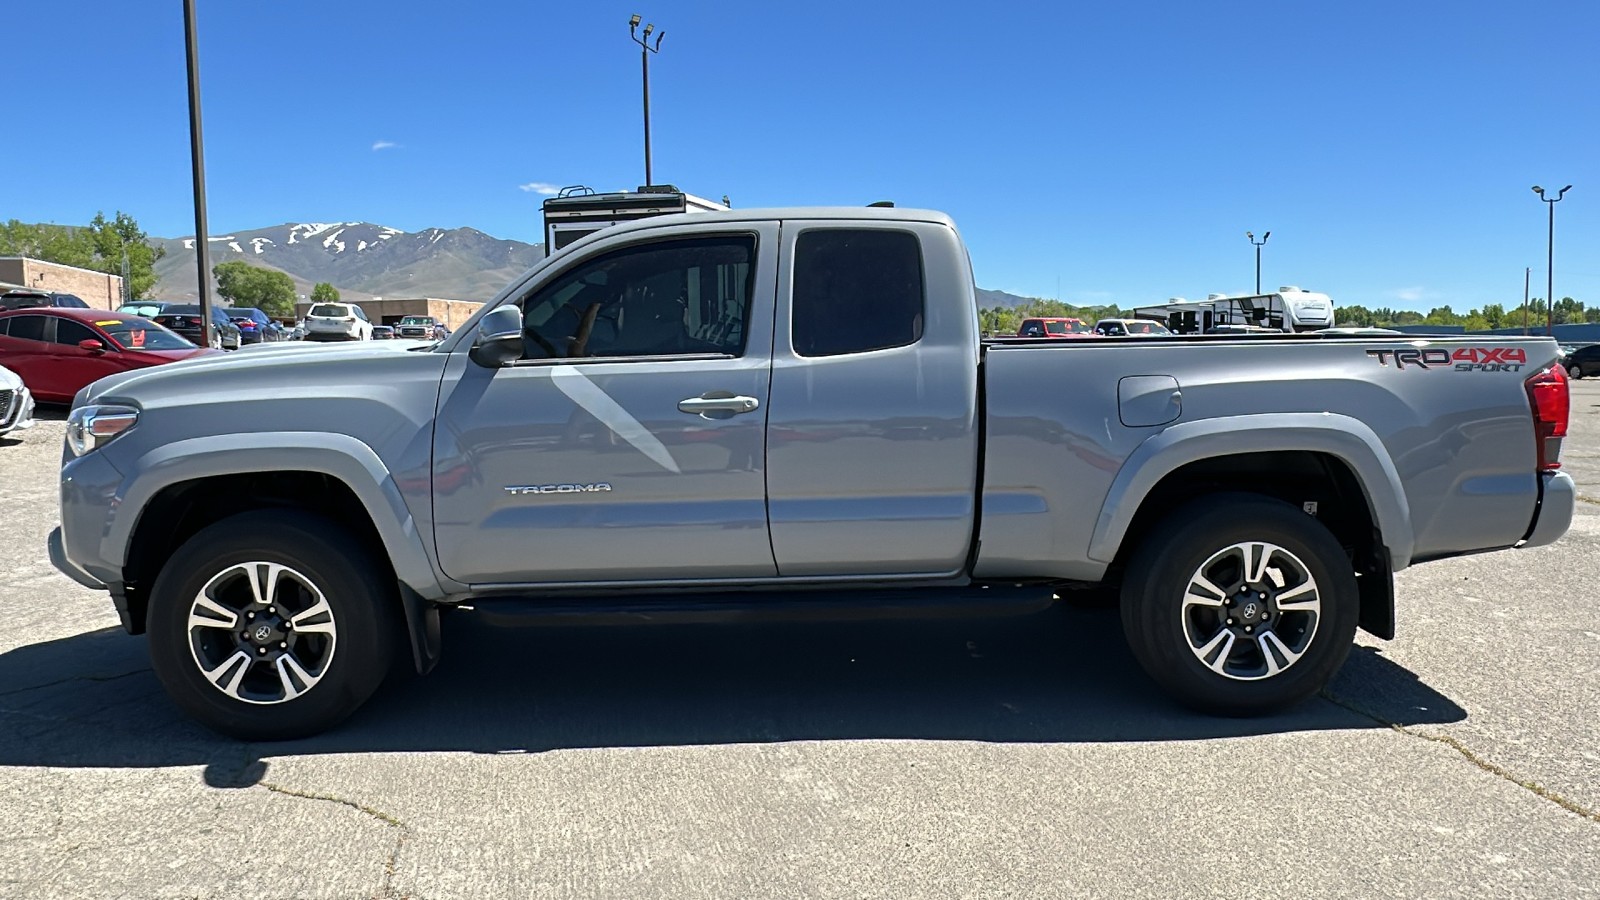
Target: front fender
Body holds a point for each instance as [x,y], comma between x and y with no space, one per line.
[335,455]
[1342,437]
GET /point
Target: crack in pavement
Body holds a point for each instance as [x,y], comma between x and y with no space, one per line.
[403,831]
[36,687]
[1533,787]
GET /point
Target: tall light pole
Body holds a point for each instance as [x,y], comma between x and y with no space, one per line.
[1258,245]
[202,245]
[1550,260]
[644,57]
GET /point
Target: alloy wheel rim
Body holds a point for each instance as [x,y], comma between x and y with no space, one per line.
[1251,611]
[261,633]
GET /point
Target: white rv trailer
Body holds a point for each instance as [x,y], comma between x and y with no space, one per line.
[1287,309]
[578,211]
[1301,310]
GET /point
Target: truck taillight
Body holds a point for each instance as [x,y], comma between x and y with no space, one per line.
[1547,395]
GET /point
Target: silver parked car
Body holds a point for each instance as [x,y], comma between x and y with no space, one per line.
[16,404]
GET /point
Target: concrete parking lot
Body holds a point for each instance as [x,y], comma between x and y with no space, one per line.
[1010,757]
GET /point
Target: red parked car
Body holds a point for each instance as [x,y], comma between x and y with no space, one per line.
[1054,327]
[58,351]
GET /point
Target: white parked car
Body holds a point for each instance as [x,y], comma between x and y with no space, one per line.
[16,404]
[1125,327]
[337,322]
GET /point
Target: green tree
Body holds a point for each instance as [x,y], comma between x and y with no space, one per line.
[1354,315]
[268,290]
[1568,311]
[1477,322]
[1592,314]
[123,235]
[98,247]
[1494,314]
[50,243]
[324,292]
[1444,315]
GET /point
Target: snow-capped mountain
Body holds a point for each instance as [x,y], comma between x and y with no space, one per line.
[364,260]
[361,259]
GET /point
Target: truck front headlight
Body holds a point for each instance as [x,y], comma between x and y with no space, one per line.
[93,426]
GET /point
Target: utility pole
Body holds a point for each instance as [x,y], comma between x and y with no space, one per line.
[1258,245]
[202,244]
[644,58]
[1550,260]
[1527,271]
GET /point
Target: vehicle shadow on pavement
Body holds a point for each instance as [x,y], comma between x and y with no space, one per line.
[1063,675]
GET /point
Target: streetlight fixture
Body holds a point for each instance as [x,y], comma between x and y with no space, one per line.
[1550,260]
[1258,245]
[644,57]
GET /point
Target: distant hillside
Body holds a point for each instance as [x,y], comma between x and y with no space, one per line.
[996,299]
[364,260]
[361,259]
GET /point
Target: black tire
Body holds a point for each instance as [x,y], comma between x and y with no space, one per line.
[1574,372]
[1165,632]
[364,611]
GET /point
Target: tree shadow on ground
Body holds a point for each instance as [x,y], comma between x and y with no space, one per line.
[1061,675]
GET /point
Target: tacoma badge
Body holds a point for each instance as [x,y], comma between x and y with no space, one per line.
[517,489]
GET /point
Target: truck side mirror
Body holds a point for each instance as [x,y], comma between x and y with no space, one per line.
[498,339]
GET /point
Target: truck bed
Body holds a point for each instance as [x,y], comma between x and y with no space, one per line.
[1442,425]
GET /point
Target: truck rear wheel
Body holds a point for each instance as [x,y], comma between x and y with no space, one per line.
[1240,605]
[272,625]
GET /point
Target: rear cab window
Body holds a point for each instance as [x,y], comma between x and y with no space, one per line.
[856,290]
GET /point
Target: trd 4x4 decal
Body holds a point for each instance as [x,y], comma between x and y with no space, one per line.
[1466,359]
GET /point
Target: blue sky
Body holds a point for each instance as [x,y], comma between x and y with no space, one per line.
[1117,150]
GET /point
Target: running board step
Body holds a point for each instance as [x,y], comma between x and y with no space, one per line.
[784,606]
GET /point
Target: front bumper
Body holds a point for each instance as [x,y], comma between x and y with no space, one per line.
[1558,502]
[16,413]
[58,558]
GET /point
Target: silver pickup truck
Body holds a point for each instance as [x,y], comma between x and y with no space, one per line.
[789,412]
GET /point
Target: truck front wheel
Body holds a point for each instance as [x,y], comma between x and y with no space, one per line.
[271,625]
[1240,604]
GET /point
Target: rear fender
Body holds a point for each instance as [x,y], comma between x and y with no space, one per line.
[1342,437]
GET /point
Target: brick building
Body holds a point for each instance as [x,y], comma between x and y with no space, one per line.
[97,289]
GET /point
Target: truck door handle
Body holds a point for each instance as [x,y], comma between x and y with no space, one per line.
[718,405]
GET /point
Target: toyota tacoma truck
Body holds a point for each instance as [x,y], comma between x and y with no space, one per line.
[790,413]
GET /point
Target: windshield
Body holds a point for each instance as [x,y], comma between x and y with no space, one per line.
[185,310]
[137,334]
[416,320]
[1073,327]
[330,311]
[140,309]
[1147,328]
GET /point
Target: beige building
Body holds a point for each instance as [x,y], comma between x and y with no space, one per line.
[97,289]
[387,312]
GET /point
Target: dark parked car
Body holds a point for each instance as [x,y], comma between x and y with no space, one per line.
[23,298]
[255,326]
[382,333]
[184,318]
[58,351]
[1582,361]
